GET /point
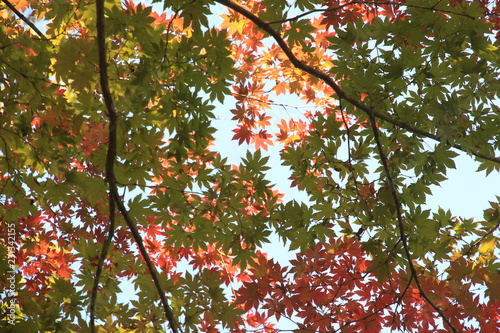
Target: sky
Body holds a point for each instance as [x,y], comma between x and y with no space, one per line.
[466,192]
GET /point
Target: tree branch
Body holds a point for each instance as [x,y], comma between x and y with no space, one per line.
[24,19]
[402,232]
[341,93]
[110,160]
[100,264]
[377,3]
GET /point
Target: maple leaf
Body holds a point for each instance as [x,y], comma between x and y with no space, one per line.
[263,121]
[242,134]
[282,135]
[159,19]
[239,112]
[153,230]
[20,5]
[234,25]
[261,140]
[64,272]
[281,88]
[254,43]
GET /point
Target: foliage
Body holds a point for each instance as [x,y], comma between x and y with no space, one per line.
[107,172]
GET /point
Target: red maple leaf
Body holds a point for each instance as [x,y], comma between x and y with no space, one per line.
[243,133]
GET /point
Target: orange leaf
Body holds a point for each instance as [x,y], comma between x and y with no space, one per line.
[261,140]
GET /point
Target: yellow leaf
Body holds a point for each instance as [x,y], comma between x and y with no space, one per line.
[488,246]
[232,25]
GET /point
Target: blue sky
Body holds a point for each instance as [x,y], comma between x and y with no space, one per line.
[466,192]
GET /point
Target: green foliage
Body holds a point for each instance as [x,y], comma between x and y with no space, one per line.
[394,92]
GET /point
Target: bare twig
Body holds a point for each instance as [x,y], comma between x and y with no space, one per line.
[341,93]
[25,19]
[110,160]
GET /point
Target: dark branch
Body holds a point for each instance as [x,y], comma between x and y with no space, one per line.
[110,160]
[402,231]
[376,3]
[25,19]
[340,93]
[100,264]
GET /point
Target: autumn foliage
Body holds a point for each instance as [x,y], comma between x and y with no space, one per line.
[119,214]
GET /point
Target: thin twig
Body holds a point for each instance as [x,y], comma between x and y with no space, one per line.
[25,19]
[376,3]
[341,93]
[110,160]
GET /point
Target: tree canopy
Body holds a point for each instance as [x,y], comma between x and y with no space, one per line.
[108,171]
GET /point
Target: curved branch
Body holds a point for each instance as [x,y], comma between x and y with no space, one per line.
[100,264]
[402,232]
[341,93]
[110,160]
[25,19]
